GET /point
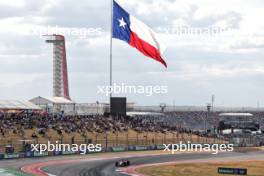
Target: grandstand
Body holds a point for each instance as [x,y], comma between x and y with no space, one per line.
[108,131]
[238,123]
[139,127]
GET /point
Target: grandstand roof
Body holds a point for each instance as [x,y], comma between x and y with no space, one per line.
[53,100]
[236,114]
[18,105]
[144,113]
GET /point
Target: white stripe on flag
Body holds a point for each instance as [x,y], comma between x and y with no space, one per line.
[147,34]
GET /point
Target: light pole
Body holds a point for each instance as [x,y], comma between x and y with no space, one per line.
[213,100]
[162,107]
[97,104]
[208,106]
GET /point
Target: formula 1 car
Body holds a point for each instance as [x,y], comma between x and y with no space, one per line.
[122,163]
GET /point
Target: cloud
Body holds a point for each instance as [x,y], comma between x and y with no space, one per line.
[228,20]
[226,64]
[248,45]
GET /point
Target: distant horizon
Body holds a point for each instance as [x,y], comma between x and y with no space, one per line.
[151,105]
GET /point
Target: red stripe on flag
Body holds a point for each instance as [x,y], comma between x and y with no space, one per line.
[146,48]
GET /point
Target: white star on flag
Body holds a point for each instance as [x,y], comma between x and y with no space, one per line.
[122,23]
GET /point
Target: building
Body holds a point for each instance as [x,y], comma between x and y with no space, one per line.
[238,123]
[61,105]
[55,104]
[15,106]
[90,108]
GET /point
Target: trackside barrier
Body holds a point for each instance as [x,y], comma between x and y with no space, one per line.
[38,154]
[11,156]
[139,148]
[21,154]
[152,147]
[160,147]
[249,145]
[90,152]
[118,149]
[130,148]
[29,154]
[67,153]
[56,153]
[2,156]
[108,149]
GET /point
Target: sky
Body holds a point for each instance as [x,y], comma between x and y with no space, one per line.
[212,47]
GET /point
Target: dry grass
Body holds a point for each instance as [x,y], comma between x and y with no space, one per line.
[255,168]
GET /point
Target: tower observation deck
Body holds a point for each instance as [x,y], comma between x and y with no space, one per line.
[60,71]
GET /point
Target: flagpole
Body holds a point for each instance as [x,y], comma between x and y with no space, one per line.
[111,47]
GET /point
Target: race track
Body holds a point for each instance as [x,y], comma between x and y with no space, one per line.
[103,164]
[107,168]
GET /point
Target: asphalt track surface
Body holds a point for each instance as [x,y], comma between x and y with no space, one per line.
[107,168]
[101,165]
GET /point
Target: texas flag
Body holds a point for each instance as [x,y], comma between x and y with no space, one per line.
[136,34]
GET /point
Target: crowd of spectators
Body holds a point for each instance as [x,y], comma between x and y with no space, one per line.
[172,121]
[197,120]
[17,124]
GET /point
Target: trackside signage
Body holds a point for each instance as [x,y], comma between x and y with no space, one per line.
[138,148]
[38,154]
[11,156]
[118,149]
[232,171]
